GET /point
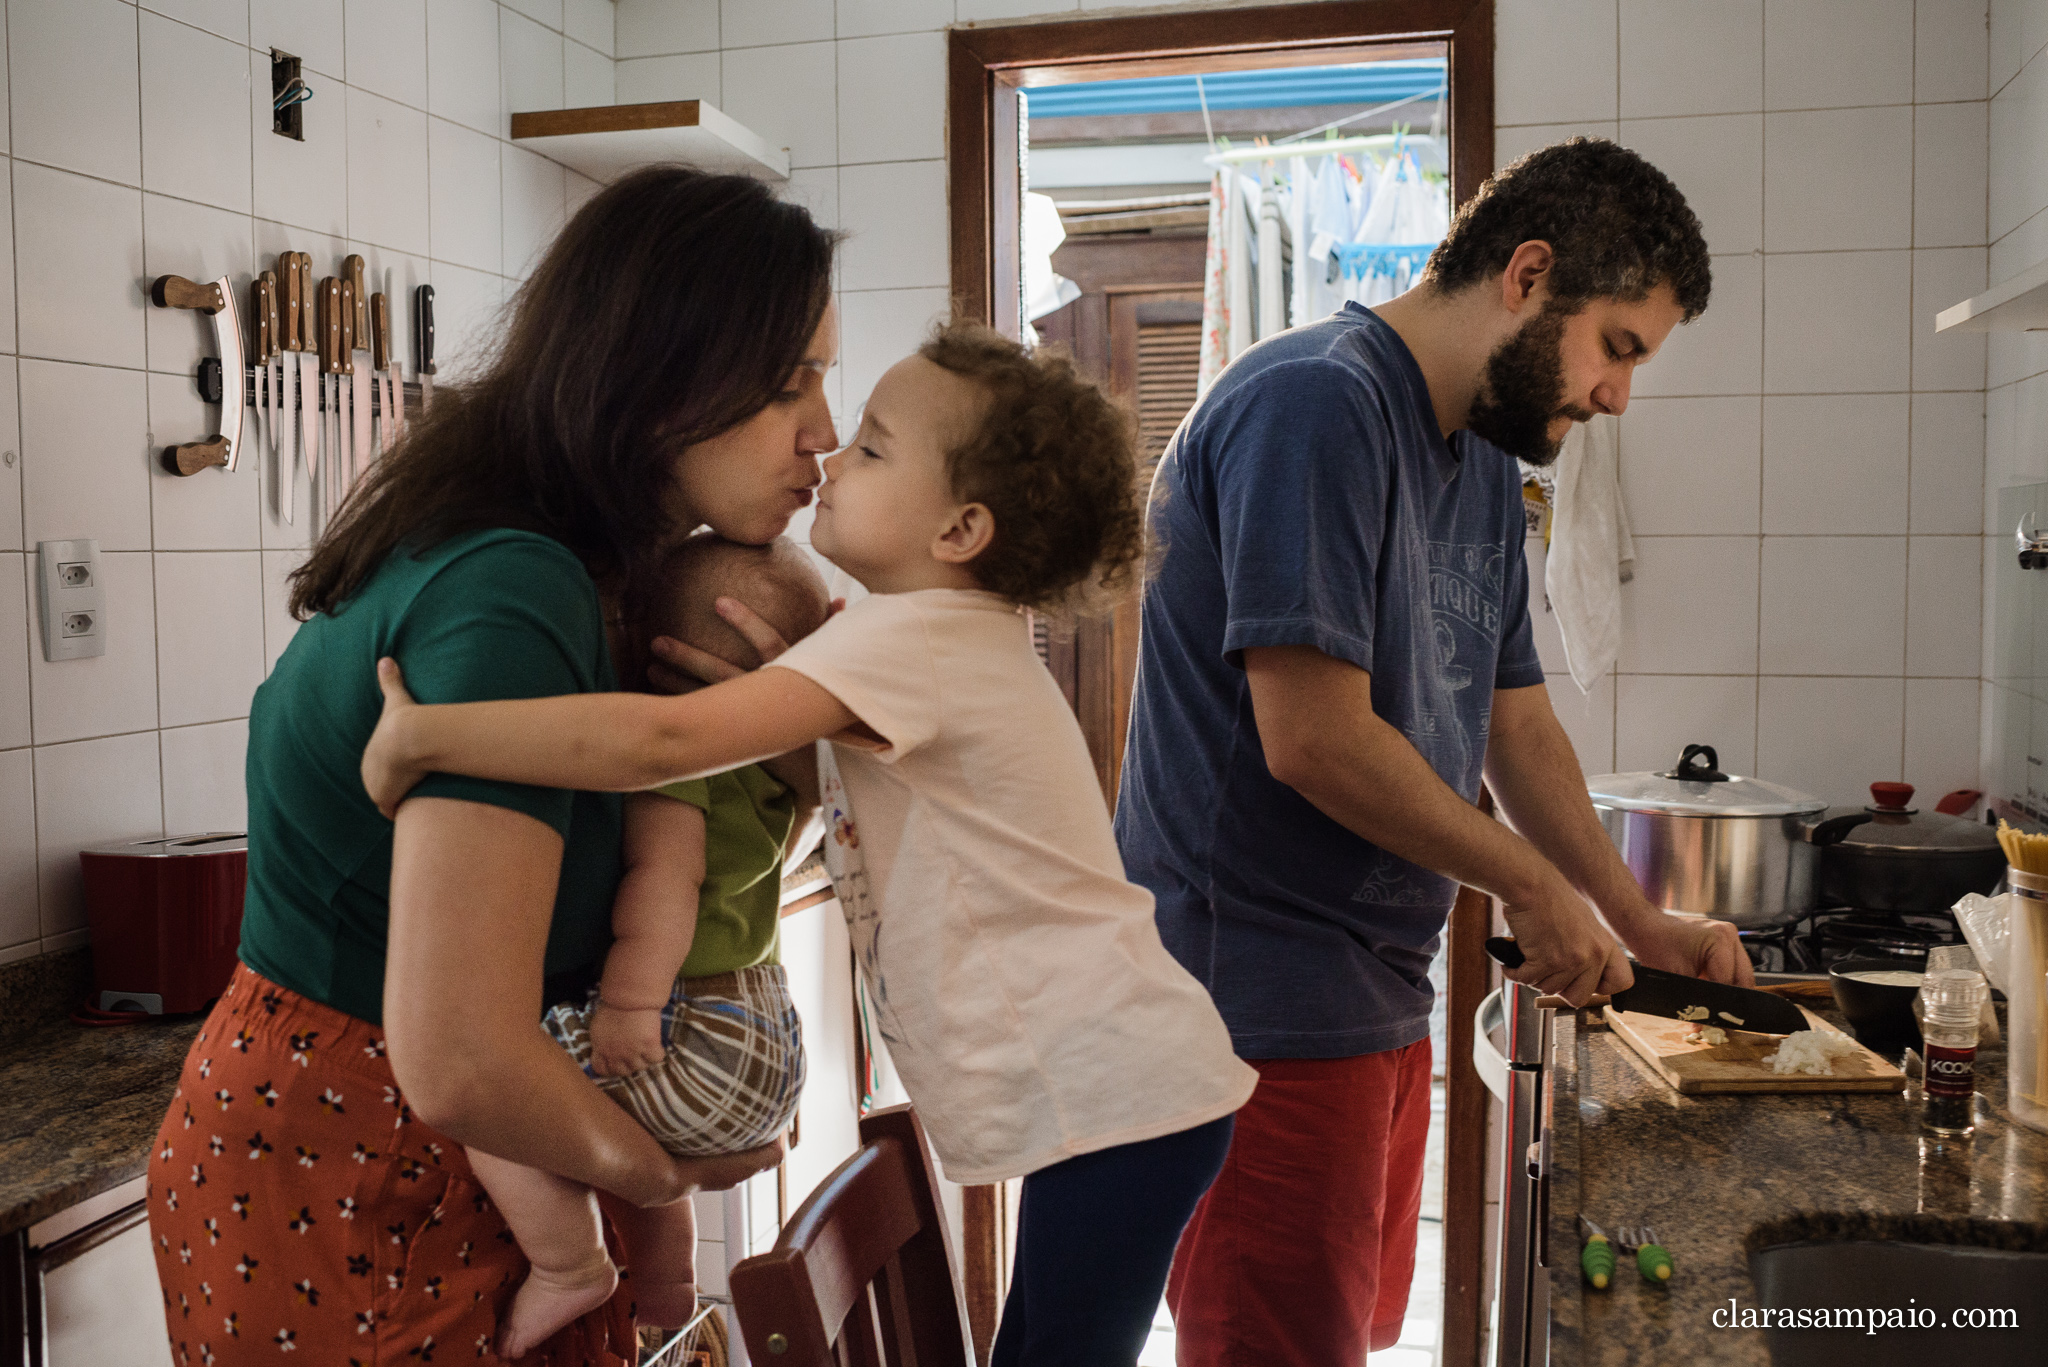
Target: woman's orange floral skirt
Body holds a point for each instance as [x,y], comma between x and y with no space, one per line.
[296,1205]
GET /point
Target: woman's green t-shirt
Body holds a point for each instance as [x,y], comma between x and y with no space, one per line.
[491,614]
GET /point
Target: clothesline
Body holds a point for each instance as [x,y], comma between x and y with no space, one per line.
[1296,151]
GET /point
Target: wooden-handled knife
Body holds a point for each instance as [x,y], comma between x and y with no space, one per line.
[384,368]
[359,384]
[311,387]
[345,471]
[331,421]
[263,307]
[214,299]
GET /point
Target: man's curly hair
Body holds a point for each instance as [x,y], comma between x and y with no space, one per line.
[1617,224]
[1055,460]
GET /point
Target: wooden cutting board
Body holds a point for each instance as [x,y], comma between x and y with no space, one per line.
[1738,1065]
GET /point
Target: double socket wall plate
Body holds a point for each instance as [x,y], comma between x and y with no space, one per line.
[73,599]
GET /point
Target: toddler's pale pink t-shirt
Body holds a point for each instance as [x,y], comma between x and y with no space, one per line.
[1019,981]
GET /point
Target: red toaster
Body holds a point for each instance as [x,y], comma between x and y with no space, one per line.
[166,918]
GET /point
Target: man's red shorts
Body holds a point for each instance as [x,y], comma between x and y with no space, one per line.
[1301,1253]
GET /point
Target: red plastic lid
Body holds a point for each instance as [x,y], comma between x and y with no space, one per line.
[1891,797]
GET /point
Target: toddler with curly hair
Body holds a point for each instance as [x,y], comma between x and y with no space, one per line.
[1037,1022]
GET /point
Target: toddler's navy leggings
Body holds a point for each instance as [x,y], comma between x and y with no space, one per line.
[1095,1237]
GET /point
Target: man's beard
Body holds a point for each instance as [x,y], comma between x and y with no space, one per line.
[1522,392]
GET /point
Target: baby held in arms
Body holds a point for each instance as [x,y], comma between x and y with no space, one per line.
[691,1029]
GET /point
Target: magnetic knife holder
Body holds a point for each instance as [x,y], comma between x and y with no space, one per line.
[208,378]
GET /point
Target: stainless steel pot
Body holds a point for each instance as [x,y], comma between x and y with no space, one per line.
[1714,844]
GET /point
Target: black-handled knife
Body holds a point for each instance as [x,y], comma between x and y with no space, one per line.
[1677,997]
[423,341]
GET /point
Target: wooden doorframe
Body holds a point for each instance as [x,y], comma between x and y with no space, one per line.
[985,69]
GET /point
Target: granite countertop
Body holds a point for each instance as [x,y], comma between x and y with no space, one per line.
[1703,1171]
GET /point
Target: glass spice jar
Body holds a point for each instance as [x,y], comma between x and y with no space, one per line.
[1951,1006]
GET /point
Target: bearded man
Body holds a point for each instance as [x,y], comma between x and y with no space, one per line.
[1335,649]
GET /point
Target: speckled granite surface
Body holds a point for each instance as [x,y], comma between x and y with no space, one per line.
[1704,1171]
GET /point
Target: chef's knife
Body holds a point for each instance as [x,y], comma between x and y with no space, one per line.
[289,331]
[423,341]
[361,382]
[345,413]
[1675,996]
[312,388]
[384,368]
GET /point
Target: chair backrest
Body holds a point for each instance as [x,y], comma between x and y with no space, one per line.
[862,1275]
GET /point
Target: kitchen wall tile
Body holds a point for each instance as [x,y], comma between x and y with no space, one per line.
[1691,609]
[655,28]
[462,63]
[1689,57]
[1836,179]
[2030,429]
[2001,457]
[758,23]
[85,453]
[789,96]
[1941,277]
[534,198]
[78,264]
[1543,629]
[228,18]
[466,314]
[1833,605]
[694,76]
[593,23]
[864,18]
[1657,716]
[7,340]
[1691,466]
[1835,466]
[1950,163]
[214,509]
[465,204]
[195,114]
[279,626]
[1565,64]
[817,189]
[93,792]
[2019,177]
[895,215]
[201,244]
[1713,160]
[2014,355]
[15,646]
[386,46]
[1830,737]
[1949,50]
[203,784]
[1588,720]
[2018,28]
[387,173]
[892,98]
[107,694]
[1944,602]
[311,30]
[1941,737]
[1721,351]
[547,13]
[532,57]
[587,78]
[209,610]
[10,456]
[1822,53]
[297,182]
[1512,144]
[67,111]
[578,189]
[1832,322]
[1948,463]
[20,921]
[4,121]
[879,329]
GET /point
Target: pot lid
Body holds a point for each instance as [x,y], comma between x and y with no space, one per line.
[1891,823]
[1697,787]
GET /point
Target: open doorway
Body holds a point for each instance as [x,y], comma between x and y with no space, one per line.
[1097,170]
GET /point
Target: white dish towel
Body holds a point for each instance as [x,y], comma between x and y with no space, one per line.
[1591,552]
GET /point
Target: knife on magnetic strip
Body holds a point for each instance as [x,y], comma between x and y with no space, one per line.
[363,380]
[263,304]
[331,417]
[1676,997]
[384,371]
[312,388]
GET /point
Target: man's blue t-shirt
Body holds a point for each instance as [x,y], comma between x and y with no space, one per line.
[1310,499]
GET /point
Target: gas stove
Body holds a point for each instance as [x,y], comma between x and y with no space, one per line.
[1823,939]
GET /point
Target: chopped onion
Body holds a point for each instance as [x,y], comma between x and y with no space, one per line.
[1812,1051]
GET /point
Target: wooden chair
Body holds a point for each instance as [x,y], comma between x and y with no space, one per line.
[862,1275]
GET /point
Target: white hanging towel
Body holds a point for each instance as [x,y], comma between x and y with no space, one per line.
[1591,552]
[1215,290]
[1329,225]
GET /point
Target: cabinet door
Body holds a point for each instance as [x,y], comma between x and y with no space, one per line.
[101,1303]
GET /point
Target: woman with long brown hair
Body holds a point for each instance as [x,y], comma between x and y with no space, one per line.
[662,370]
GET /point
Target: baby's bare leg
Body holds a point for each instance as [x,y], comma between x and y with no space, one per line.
[556,1223]
[661,1247]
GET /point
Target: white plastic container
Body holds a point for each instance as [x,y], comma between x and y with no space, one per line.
[2027,998]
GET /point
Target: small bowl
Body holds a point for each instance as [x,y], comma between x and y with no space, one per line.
[1880,1014]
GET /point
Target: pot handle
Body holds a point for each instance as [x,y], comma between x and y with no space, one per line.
[1836,829]
[1698,764]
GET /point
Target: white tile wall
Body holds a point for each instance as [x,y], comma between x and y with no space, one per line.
[137,142]
[1806,465]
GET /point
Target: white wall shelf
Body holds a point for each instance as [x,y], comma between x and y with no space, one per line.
[606,141]
[2017,305]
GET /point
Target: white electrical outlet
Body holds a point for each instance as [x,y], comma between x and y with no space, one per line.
[73,599]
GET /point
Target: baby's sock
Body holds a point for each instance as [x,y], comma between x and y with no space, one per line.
[552,1298]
